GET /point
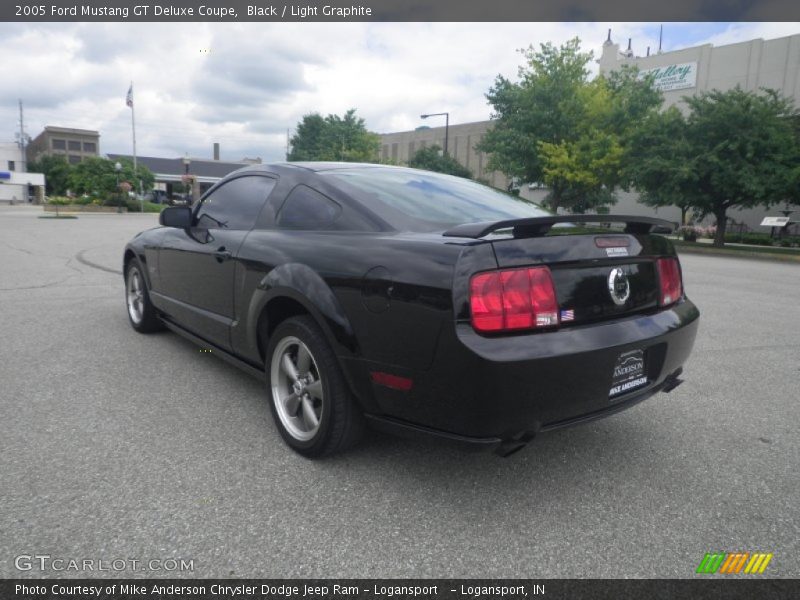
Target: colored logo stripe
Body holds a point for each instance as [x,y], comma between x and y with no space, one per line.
[758,563]
[711,562]
[733,562]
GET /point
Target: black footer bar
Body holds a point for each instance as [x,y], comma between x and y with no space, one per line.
[397,589]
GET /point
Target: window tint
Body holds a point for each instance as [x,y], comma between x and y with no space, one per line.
[306,208]
[413,200]
[236,204]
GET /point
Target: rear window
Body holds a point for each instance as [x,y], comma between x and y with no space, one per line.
[425,201]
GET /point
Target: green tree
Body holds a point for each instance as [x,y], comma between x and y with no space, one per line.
[142,174]
[308,141]
[734,149]
[333,138]
[97,176]
[432,158]
[557,126]
[659,161]
[56,171]
[583,169]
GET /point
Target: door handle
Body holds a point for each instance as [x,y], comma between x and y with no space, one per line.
[221,254]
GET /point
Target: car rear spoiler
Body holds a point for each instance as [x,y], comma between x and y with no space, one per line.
[539,226]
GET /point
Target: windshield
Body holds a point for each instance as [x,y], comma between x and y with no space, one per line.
[414,200]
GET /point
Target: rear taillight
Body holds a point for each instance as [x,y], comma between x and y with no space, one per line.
[513,299]
[669,274]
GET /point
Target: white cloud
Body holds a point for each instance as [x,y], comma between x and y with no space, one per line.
[245,84]
[743,32]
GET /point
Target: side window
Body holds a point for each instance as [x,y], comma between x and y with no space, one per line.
[236,204]
[306,208]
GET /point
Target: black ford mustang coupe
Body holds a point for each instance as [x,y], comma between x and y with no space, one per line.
[415,301]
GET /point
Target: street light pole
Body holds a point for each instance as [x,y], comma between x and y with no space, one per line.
[185,178]
[118,168]
[446,116]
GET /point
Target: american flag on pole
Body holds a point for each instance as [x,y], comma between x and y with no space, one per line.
[129,97]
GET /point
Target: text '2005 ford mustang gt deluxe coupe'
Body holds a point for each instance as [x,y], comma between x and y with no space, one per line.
[416,302]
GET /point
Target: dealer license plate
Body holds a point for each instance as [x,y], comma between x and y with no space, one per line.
[629,373]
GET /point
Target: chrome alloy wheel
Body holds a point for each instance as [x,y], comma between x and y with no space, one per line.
[135,295]
[296,388]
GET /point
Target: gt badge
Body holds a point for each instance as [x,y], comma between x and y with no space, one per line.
[618,286]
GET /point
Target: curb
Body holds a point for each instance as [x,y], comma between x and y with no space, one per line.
[775,257]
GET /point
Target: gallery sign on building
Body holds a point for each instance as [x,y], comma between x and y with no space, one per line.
[681,76]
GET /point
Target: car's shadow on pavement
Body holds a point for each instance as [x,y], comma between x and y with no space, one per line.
[605,453]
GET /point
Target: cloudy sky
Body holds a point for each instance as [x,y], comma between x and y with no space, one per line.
[245,84]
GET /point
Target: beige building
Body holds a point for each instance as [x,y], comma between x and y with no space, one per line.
[73,144]
[461,141]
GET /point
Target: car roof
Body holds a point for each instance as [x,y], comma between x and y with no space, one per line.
[332,166]
[315,167]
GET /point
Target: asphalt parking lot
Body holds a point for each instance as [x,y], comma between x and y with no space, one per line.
[118,445]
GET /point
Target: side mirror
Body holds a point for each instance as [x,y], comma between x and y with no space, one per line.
[176,216]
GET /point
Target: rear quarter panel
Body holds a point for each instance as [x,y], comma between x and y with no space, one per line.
[384,297]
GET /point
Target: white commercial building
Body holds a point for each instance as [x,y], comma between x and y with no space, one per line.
[16,184]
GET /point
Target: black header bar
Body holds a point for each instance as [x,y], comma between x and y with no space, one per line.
[398,10]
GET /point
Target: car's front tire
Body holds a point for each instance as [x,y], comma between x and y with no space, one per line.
[141,312]
[313,407]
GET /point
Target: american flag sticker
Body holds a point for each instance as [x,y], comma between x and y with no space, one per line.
[568,315]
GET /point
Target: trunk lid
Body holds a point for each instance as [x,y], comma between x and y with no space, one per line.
[597,276]
[598,272]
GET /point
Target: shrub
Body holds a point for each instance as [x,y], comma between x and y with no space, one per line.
[762,239]
[149,207]
[706,232]
[113,200]
[688,233]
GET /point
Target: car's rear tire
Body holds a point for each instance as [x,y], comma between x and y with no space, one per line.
[313,407]
[141,312]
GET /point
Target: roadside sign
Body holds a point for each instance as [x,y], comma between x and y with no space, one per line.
[774,221]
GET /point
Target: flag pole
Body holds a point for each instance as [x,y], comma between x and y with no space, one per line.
[133,130]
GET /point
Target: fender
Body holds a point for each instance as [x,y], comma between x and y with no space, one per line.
[139,246]
[137,252]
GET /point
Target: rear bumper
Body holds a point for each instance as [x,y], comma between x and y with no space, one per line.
[503,390]
[505,447]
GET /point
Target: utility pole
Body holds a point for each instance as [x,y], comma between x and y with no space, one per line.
[22,138]
[22,142]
